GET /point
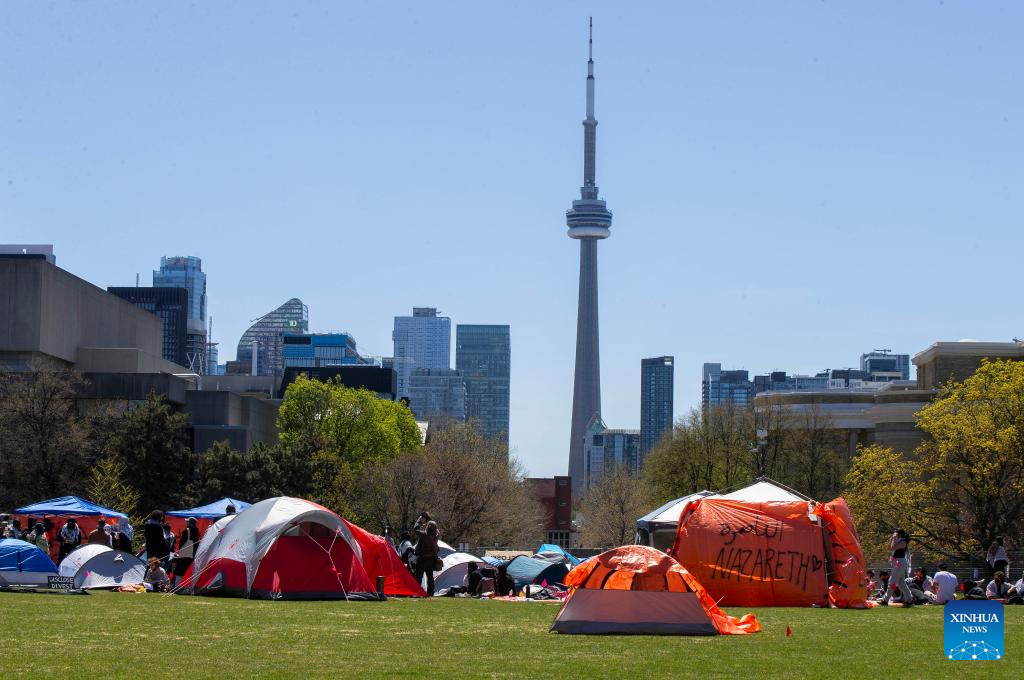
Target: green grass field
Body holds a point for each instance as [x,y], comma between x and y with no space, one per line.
[118,635]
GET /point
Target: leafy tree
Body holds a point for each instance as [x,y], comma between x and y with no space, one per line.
[43,450]
[263,472]
[965,483]
[610,508]
[108,487]
[151,441]
[340,430]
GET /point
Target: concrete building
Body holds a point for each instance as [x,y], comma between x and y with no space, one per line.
[437,395]
[171,305]
[267,336]
[657,377]
[187,272]
[483,355]
[51,319]
[423,340]
[554,494]
[606,448]
[720,387]
[44,249]
[589,221]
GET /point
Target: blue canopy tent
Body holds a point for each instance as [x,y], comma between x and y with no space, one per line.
[68,506]
[526,570]
[551,552]
[205,514]
[214,510]
[24,564]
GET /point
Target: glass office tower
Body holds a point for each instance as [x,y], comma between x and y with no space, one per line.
[483,355]
[656,401]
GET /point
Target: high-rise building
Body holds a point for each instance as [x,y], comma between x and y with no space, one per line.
[267,334]
[187,272]
[171,305]
[437,395]
[315,350]
[423,340]
[780,381]
[883,366]
[606,448]
[656,391]
[720,387]
[212,356]
[483,355]
[589,221]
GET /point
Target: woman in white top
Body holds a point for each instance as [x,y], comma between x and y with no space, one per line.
[997,557]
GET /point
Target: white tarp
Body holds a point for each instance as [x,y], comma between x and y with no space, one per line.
[70,565]
[111,569]
[762,491]
[252,532]
[454,570]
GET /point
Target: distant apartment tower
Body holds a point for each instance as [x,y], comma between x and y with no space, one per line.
[437,395]
[883,366]
[267,334]
[720,387]
[606,448]
[187,272]
[780,381]
[212,356]
[656,401]
[423,340]
[316,350]
[171,305]
[483,355]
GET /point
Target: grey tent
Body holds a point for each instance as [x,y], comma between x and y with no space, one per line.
[110,569]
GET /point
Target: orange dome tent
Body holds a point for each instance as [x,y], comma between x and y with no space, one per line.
[636,589]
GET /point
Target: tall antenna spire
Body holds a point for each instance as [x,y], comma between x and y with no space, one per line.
[590,51]
[589,188]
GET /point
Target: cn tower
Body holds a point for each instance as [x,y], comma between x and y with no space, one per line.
[589,221]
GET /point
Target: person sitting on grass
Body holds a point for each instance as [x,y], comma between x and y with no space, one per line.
[921,588]
[1016,594]
[883,584]
[156,576]
[998,588]
[944,584]
[971,590]
[473,579]
[872,583]
[504,586]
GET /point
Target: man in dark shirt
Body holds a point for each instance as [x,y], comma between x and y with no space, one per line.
[473,579]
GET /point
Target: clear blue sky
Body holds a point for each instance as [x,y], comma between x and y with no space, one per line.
[793,183]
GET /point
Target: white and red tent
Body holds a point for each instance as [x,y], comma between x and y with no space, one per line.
[289,548]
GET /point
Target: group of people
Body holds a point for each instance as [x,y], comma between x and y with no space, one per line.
[420,553]
[897,585]
[57,542]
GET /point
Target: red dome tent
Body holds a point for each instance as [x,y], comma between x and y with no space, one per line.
[640,590]
[380,559]
[281,548]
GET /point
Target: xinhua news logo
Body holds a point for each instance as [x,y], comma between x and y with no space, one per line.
[973,630]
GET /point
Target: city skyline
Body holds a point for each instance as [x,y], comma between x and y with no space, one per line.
[765,140]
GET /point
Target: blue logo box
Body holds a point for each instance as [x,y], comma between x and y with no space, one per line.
[973,630]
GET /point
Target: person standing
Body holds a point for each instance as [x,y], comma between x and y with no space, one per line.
[70,537]
[186,549]
[99,535]
[426,550]
[123,534]
[153,531]
[997,558]
[899,558]
[39,538]
[406,550]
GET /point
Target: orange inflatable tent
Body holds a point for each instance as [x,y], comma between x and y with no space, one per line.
[640,590]
[772,553]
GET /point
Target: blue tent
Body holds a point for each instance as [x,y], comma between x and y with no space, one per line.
[214,510]
[552,548]
[526,570]
[23,563]
[68,506]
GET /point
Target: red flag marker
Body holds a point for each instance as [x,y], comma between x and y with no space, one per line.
[789,631]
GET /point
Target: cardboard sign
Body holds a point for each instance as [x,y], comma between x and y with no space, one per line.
[61,582]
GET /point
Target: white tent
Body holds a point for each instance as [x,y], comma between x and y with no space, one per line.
[454,570]
[70,565]
[444,550]
[110,569]
[658,528]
